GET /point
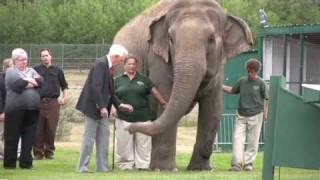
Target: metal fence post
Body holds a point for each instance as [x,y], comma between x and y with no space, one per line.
[62,56]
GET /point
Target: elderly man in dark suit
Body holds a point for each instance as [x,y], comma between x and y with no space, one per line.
[95,103]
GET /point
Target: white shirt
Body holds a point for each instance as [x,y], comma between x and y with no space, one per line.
[109,61]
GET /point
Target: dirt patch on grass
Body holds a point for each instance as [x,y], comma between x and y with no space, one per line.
[186,135]
[185,140]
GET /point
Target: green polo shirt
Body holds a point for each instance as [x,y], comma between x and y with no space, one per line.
[252,95]
[135,92]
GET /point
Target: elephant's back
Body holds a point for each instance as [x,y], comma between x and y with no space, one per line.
[137,29]
[135,34]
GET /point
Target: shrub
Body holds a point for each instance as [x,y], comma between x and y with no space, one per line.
[68,114]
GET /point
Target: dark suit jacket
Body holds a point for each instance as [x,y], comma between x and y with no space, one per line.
[98,91]
[2,92]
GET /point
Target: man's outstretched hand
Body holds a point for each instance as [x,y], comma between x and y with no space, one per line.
[125,108]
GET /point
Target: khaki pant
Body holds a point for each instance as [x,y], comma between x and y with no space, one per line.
[132,150]
[249,127]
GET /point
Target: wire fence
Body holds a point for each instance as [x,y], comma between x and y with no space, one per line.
[224,136]
[223,140]
[67,56]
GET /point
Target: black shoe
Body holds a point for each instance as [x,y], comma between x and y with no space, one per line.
[26,167]
[9,167]
[50,157]
[38,157]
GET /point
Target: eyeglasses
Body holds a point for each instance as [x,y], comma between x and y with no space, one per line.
[22,59]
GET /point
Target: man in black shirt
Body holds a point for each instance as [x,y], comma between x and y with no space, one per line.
[54,80]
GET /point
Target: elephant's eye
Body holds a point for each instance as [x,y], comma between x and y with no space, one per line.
[170,40]
[211,39]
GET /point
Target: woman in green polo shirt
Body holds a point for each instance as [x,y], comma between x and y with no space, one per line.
[132,87]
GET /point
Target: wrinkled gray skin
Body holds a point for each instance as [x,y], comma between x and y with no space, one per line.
[183,46]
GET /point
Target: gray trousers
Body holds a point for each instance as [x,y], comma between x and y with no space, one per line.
[95,131]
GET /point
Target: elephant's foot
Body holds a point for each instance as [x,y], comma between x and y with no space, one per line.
[148,128]
[165,170]
[200,165]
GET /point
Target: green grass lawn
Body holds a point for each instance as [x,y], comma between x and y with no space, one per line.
[64,167]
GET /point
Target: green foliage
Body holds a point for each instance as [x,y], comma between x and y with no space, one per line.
[97,21]
[67,21]
[68,115]
[63,132]
[280,12]
[294,12]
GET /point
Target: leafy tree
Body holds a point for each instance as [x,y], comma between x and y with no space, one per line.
[97,21]
[294,12]
[280,12]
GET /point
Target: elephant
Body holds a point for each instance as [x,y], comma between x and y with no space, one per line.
[182,46]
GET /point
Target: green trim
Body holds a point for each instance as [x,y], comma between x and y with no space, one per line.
[294,29]
[260,51]
[310,95]
[301,63]
[285,52]
[268,167]
[292,130]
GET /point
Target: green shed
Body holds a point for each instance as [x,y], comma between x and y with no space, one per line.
[290,51]
[293,52]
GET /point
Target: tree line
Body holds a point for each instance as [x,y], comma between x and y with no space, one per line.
[97,21]
[65,21]
[279,12]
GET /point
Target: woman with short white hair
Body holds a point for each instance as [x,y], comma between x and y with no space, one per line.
[22,110]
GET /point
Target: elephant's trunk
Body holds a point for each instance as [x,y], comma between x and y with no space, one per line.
[187,78]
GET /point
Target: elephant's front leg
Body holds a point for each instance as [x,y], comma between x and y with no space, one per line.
[208,124]
[163,156]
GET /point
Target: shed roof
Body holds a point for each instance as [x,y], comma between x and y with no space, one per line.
[311,32]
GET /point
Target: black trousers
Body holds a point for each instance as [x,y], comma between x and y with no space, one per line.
[19,124]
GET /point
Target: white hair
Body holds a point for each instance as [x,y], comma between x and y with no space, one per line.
[117,49]
[18,53]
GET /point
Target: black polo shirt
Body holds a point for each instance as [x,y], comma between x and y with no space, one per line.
[135,92]
[54,80]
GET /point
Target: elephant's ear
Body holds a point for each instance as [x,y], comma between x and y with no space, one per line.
[158,31]
[158,37]
[238,37]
